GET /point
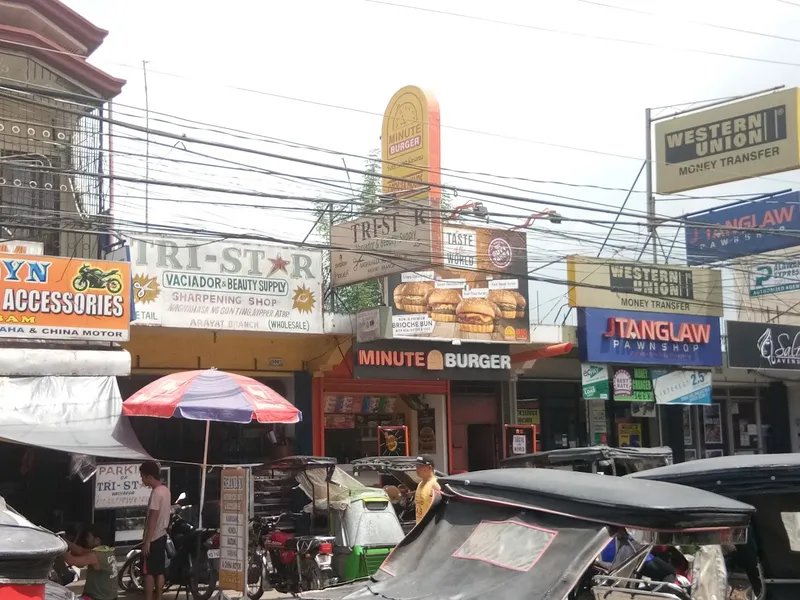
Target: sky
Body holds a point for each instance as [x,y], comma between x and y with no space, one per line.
[546,91]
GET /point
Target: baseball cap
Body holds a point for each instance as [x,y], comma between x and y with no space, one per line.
[425,460]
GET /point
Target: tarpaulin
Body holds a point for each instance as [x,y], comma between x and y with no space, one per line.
[81,415]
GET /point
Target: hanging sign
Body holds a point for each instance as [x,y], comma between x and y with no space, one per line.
[234,519]
[632,385]
[644,338]
[682,387]
[194,283]
[594,381]
[119,486]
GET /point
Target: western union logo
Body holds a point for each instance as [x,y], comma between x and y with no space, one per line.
[737,133]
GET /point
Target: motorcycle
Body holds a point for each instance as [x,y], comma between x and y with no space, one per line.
[286,563]
[93,278]
[192,558]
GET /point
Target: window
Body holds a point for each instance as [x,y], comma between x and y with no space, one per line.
[507,544]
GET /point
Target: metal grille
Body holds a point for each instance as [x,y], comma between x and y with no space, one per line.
[51,166]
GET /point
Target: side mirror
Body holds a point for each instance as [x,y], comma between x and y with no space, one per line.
[181,497]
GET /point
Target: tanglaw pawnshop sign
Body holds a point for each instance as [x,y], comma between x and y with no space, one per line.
[763,346]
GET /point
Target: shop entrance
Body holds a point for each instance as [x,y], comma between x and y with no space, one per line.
[481,447]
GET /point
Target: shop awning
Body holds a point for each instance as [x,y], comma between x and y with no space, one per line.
[80,415]
[17,361]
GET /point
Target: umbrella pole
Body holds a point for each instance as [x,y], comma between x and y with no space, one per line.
[203,475]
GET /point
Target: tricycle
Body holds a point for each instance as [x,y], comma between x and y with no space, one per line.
[766,567]
[349,530]
[27,556]
[403,469]
[594,459]
[505,535]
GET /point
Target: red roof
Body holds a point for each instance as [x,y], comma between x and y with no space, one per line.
[35,45]
[67,19]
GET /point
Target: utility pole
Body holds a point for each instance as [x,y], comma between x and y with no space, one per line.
[146,151]
[652,221]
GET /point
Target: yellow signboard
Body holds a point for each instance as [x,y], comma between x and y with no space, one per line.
[744,139]
[630,285]
[410,146]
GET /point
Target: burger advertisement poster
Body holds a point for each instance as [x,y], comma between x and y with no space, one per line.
[480,292]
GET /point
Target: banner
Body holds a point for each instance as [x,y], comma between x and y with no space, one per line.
[194,283]
[479,293]
[767,287]
[741,140]
[617,284]
[410,146]
[62,298]
[641,338]
[763,346]
[633,384]
[402,238]
[732,231]
[682,387]
[594,382]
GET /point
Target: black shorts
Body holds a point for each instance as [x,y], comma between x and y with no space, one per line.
[155,563]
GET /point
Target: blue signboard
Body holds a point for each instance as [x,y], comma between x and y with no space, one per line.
[733,231]
[645,338]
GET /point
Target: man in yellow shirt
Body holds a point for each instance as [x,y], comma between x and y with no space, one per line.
[428,486]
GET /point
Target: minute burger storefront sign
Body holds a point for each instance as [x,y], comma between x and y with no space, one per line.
[406,359]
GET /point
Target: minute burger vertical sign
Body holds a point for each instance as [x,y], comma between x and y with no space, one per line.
[406,359]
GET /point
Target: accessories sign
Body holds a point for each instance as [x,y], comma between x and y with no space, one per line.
[182,282]
[61,298]
[741,140]
[643,338]
[603,283]
[735,231]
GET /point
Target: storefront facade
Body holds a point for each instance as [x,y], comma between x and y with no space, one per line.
[435,398]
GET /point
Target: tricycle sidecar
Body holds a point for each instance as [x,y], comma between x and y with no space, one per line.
[403,469]
[768,566]
[505,534]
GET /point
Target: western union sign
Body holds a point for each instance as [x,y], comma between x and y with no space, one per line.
[745,139]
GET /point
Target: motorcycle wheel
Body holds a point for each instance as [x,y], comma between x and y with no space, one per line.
[255,578]
[80,284]
[114,286]
[126,579]
[202,576]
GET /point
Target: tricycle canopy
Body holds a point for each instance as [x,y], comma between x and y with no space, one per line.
[505,535]
[26,550]
[621,460]
[769,482]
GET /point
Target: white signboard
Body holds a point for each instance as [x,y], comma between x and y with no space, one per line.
[233,522]
[21,247]
[683,387]
[119,486]
[395,240]
[767,287]
[182,282]
[519,445]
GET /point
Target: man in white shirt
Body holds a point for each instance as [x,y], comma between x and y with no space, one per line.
[154,543]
